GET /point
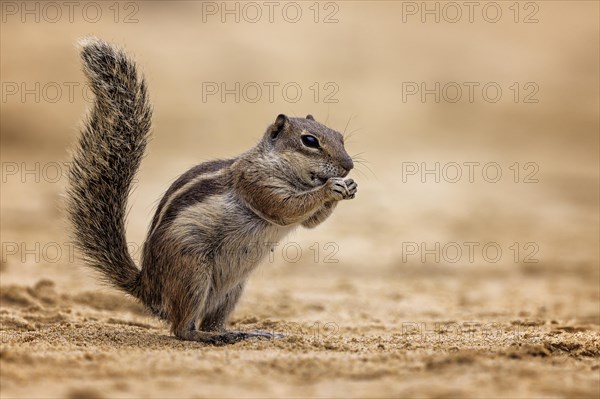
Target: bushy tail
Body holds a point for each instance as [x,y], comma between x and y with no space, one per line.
[106,158]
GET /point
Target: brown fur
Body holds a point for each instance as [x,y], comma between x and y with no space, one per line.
[214,224]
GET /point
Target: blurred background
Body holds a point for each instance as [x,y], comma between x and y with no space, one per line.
[477,126]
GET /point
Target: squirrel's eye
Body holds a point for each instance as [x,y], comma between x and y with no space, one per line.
[310,141]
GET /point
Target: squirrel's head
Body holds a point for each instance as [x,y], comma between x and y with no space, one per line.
[309,150]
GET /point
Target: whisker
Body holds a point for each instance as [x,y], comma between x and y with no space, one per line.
[359,158]
[347,124]
[361,173]
[349,136]
[369,169]
[364,165]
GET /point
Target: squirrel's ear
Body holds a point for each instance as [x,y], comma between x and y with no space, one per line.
[309,116]
[279,124]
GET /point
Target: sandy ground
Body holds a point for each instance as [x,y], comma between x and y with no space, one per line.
[366,309]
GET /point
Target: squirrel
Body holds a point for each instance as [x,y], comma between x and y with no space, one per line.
[195,259]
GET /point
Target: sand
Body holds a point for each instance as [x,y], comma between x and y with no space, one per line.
[351,336]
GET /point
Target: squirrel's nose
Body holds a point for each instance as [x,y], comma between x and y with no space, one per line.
[347,163]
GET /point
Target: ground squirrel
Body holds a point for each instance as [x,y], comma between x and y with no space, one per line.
[195,258]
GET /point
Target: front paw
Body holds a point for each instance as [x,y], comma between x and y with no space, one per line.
[340,189]
[352,188]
